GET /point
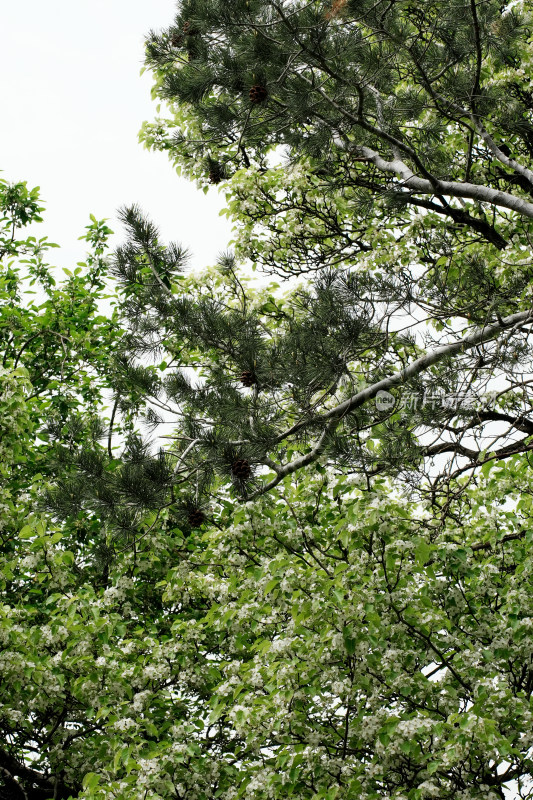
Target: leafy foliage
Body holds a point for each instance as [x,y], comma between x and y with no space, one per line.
[56,348]
[317,589]
[323,641]
[384,106]
[388,161]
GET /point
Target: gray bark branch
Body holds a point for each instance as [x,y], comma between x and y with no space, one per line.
[332,417]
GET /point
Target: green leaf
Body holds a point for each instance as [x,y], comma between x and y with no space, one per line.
[423,552]
[91,780]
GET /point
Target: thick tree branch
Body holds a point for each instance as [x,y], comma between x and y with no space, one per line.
[520,423]
[487,138]
[512,449]
[471,191]
[44,786]
[298,463]
[461,217]
[508,538]
[432,185]
[332,417]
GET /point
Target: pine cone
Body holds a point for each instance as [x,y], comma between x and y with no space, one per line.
[258,94]
[241,469]
[196,518]
[191,45]
[176,40]
[338,7]
[216,173]
[248,378]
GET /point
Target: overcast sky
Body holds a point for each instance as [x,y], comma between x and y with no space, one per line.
[72,105]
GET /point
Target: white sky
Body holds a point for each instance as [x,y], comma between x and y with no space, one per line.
[72,105]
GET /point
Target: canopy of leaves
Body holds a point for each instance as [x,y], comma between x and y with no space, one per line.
[388,106]
[405,195]
[337,635]
[322,642]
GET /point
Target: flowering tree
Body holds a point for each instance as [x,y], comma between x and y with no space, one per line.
[330,637]
[260,605]
[325,640]
[321,642]
[53,372]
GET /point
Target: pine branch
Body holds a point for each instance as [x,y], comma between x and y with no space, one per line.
[334,415]
[471,191]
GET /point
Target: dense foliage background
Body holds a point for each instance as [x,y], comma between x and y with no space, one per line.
[269,541]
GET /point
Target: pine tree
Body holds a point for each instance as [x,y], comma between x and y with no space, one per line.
[404,195]
[407,137]
[420,107]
